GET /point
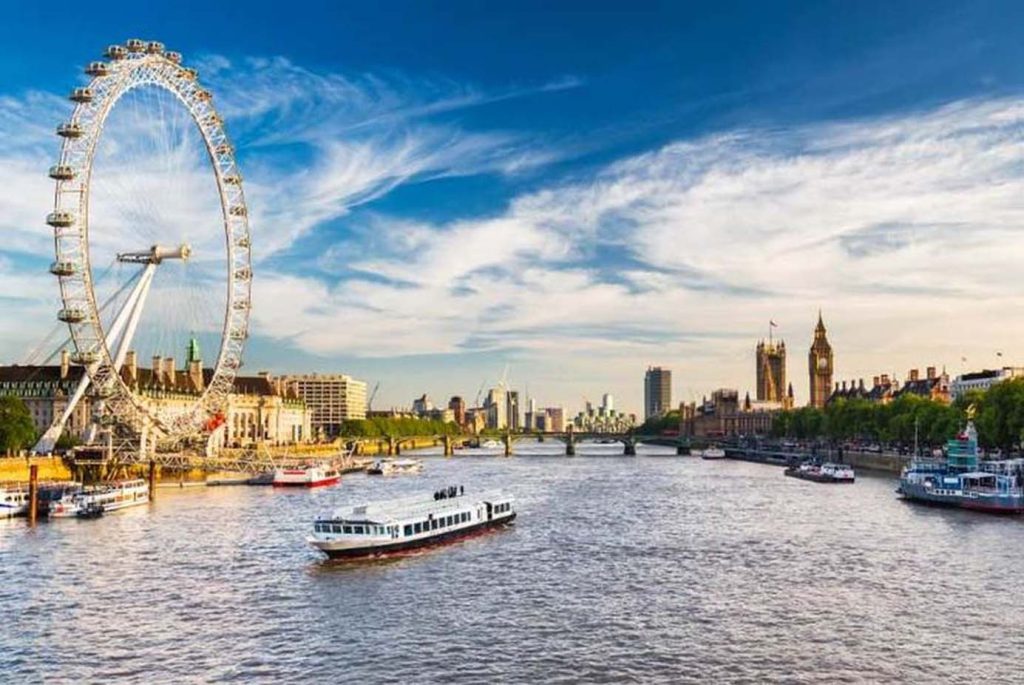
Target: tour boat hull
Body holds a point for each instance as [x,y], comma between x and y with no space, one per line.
[409,546]
[992,504]
[308,484]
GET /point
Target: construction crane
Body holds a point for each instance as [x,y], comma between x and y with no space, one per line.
[480,392]
[369,402]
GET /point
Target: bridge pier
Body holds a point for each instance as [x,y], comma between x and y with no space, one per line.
[682,450]
[391,446]
[152,480]
[508,444]
[629,448]
[449,449]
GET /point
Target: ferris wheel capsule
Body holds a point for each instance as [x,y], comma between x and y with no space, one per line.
[173,57]
[85,358]
[135,45]
[71,315]
[97,69]
[155,47]
[65,268]
[60,219]
[62,172]
[115,52]
[71,129]
[81,95]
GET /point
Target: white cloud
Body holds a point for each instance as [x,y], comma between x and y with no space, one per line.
[896,227]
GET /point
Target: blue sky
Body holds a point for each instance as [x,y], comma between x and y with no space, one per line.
[578,190]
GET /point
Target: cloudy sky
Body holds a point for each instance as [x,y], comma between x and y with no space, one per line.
[578,190]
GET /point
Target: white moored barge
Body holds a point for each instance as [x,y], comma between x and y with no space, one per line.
[99,499]
[399,526]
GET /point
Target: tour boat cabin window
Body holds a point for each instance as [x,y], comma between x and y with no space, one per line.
[358,530]
[408,529]
[418,527]
[347,530]
[433,525]
[336,528]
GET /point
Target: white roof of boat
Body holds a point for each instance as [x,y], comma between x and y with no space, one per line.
[411,507]
[978,474]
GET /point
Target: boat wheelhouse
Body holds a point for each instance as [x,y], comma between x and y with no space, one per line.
[403,525]
[306,476]
[964,481]
[103,498]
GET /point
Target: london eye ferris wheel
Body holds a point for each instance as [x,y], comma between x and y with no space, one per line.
[152,244]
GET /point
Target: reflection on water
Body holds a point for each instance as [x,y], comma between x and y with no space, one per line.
[641,569]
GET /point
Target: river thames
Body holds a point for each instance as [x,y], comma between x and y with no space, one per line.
[649,569]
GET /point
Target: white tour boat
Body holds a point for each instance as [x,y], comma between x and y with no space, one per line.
[13,501]
[712,453]
[399,526]
[94,499]
[390,467]
[308,476]
[490,444]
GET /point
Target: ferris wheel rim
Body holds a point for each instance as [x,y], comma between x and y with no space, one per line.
[132,66]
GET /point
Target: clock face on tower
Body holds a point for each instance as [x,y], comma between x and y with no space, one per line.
[822,364]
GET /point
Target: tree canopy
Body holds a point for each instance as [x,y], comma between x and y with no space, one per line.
[398,427]
[17,430]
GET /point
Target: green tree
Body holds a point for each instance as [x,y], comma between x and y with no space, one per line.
[17,431]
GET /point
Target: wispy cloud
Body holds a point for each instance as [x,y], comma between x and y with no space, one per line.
[313,146]
[899,219]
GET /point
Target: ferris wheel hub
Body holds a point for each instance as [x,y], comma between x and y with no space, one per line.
[156,254]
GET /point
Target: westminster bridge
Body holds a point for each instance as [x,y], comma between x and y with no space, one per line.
[393,445]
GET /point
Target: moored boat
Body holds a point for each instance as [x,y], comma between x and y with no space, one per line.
[712,453]
[388,467]
[306,476]
[822,473]
[490,445]
[109,497]
[964,481]
[400,526]
[13,501]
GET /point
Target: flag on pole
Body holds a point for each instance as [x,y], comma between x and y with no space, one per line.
[999,354]
[772,324]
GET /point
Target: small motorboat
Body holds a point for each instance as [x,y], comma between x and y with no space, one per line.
[712,453]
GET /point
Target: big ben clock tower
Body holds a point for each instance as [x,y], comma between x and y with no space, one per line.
[820,366]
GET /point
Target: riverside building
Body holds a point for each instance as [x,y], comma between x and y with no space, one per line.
[258,410]
[657,391]
[980,381]
[332,399]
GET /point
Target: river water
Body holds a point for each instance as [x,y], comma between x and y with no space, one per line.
[649,569]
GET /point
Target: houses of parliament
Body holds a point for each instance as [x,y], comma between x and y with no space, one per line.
[771,370]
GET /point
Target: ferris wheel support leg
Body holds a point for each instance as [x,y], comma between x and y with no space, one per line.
[49,439]
[132,310]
